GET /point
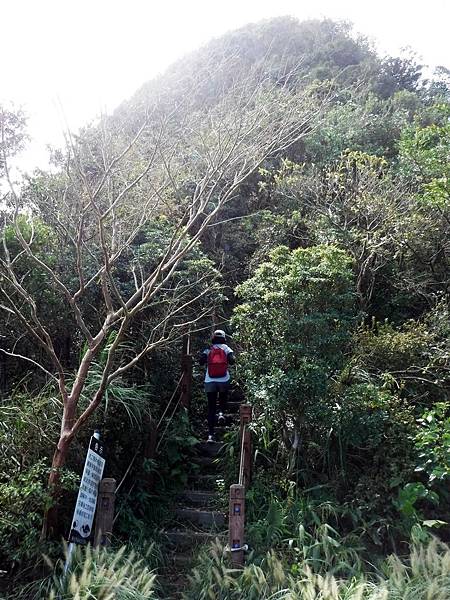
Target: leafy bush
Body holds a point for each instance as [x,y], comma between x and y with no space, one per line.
[306,532]
[384,348]
[23,500]
[433,443]
[294,324]
[28,425]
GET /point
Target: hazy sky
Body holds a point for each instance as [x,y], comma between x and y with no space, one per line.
[88,56]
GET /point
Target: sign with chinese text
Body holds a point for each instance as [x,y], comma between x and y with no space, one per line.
[83,516]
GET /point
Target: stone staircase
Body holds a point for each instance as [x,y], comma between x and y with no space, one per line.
[199,515]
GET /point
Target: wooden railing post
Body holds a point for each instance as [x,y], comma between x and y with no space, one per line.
[104,517]
[186,366]
[236,523]
[245,414]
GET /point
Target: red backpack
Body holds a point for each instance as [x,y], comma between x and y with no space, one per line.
[217,362]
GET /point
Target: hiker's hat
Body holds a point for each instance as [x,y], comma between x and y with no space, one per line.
[219,333]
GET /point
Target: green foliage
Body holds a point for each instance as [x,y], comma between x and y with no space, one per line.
[399,73]
[13,127]
[23,499]
[213,579]
[409,495]
[294,324]
[389,349]
[424,158]
[432,443]
[28,427]
[140,512]
[410,359]
[120,396]
[176,447]
[360,122]
[360,416]
[305,532]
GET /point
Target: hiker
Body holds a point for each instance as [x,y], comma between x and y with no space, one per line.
[217,378]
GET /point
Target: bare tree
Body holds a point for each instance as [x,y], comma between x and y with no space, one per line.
[185,158]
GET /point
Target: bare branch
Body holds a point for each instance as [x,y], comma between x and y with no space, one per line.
[30,360]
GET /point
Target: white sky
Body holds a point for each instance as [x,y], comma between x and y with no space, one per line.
[88,56]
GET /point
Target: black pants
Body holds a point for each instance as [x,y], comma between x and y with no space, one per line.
[212,405]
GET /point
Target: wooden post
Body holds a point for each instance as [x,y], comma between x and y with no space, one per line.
[245,414]
[150,449]
[186,366]
[104,517]
[237,523]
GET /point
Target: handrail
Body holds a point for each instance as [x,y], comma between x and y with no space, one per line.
[237,490]
[242,456]
[170,401]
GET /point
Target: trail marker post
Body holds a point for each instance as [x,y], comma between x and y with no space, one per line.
[236,523]
[104,517]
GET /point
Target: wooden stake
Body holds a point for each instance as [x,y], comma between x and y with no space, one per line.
[237,523]
[104,517]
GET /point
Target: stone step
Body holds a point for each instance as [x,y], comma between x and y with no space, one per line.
[182,561]
[231,418]
[209,449]
[198,497]
[207,519]
[207,463]
[206,481]
[188,539]
[219,431]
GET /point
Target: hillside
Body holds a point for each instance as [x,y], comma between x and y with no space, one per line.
[288,185]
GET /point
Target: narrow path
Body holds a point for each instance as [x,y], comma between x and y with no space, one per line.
[199,519]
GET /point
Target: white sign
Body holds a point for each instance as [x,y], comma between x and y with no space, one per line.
[83,516]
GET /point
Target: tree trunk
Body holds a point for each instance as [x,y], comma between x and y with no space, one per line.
[50,523]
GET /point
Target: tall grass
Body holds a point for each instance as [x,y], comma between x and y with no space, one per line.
[424,575]
[97,575]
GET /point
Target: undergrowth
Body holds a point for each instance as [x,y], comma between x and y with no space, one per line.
[423,575]
[98,574]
